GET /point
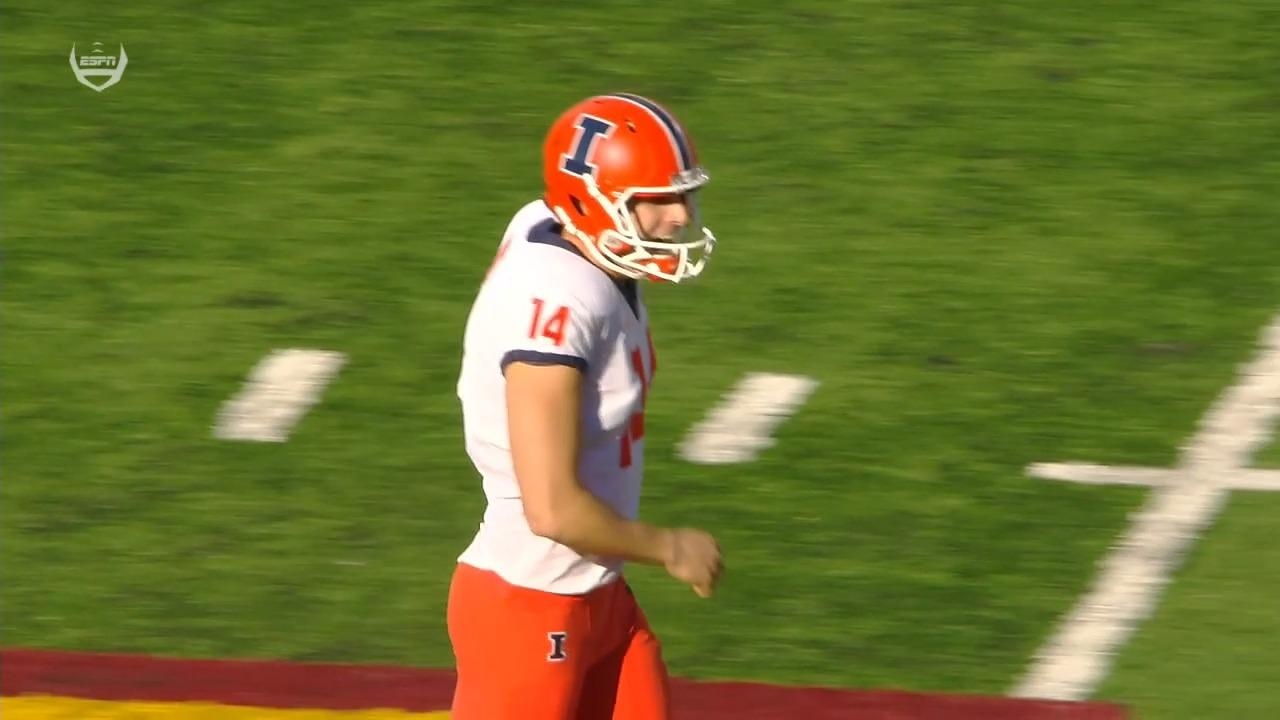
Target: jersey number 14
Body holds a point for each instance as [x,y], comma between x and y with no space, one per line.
[553,328]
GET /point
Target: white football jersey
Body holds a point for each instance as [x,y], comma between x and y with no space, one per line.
[543,302]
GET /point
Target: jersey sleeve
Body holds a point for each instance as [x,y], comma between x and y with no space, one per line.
[550,327]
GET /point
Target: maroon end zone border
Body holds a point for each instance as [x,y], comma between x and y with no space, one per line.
[354,687]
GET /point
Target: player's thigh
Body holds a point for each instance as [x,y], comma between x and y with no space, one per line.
[519,653]
[643,684]
[631,683]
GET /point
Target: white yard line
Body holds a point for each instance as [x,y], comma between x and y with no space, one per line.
[1267,480]
[1184,502]
[740,426]
[279,391]
[1090,474]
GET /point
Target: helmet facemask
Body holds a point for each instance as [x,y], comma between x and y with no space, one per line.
[624,249]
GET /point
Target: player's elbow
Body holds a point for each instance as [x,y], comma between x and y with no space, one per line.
[544,520]
[556,513]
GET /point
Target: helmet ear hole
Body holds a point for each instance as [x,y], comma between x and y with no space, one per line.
[577,205]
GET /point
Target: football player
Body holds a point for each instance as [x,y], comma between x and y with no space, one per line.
[558,361]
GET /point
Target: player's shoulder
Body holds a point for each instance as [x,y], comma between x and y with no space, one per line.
[539,260]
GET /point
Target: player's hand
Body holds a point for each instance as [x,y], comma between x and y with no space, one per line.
[694,558]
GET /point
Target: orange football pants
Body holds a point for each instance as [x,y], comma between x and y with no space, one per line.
[536,655]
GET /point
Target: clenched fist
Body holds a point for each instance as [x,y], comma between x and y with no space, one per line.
[693,557]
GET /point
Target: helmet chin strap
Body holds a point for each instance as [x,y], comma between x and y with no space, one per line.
[588,243]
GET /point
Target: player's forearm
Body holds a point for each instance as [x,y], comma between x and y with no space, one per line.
[581,521]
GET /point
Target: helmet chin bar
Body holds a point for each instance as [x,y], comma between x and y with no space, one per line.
[642,255]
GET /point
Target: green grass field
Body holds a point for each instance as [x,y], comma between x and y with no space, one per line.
[995,233]
[1208,651]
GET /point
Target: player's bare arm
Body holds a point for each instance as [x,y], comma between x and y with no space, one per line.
[543,406]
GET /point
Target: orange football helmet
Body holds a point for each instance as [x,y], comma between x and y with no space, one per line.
[605,152]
